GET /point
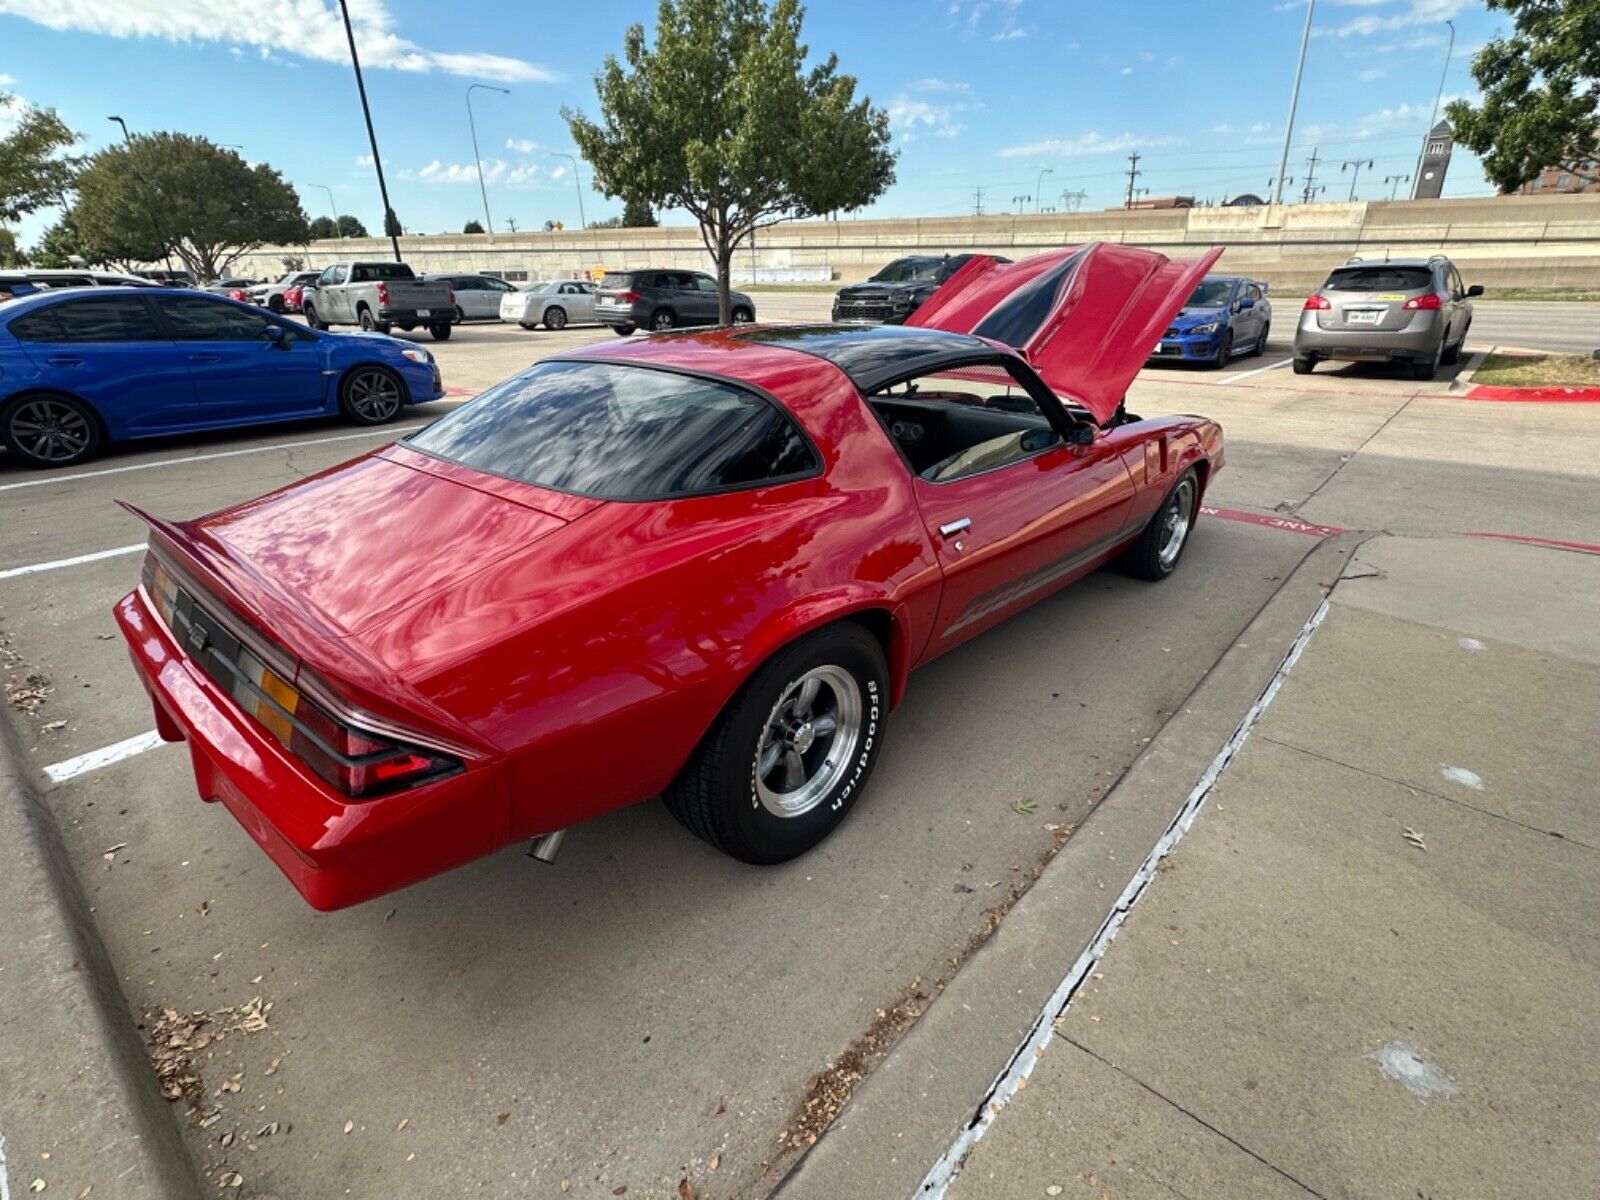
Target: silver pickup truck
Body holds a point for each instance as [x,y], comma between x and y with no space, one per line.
[378,295]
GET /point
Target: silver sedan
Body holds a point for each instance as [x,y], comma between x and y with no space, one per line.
[553,303]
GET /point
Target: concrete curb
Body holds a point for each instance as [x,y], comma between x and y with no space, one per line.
[1463,380]
[75,1082]
[911,1109]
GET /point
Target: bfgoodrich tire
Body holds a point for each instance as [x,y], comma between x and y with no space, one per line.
[1155,554]
[790,755]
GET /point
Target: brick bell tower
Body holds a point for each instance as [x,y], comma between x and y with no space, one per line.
[1435,162]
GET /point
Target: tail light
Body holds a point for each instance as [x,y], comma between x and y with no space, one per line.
[301,714]
[1429,302]
[239,294]
[1317,302]
[383,293]
[627,297]
[452,294]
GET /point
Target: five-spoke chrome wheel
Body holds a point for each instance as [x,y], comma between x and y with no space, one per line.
[52,431]
[809,741]
[373,396]
[1176,520]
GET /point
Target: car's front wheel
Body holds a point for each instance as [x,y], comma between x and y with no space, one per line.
[50,430]
[309,312]
[1224,351]
[791,753]
[1304,364]
[743,316]
[372,395]
[663,319]
[622,330]
[1155,554]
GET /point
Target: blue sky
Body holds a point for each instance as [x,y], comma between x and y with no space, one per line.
[982,93]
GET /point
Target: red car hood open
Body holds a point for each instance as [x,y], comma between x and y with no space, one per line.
[1085,317]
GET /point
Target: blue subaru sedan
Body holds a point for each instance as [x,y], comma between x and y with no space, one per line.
[1224,316]
[82,367]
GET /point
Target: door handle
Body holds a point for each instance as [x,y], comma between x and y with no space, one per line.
[951,528]
[64,360]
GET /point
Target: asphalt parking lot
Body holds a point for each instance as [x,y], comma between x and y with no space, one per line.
[646,1010]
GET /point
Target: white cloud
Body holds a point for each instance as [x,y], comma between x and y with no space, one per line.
[1371,73]
[522,145]
[1012,34]
[935,84]
[496,172]
[6,80]
[1417,12]
[1125,71]
[299,28]
[909,117]
[1088,143]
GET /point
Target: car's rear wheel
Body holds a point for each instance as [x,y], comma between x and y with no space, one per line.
[1452,352]
[622,330]
[1224,351]
[663,319]
[1260,347]
[1303,364]
[555,317]
[275,304]
[791,753]
[1429,367]
[50,430]
[1155,554]
[440,332]
[460,316]
[743,316]
[371,323]
[372,395]
[309,312]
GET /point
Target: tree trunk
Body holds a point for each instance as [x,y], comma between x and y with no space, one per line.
[724,265]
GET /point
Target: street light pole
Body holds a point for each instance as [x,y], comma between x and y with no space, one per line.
[1037,192]
[391,223]
[577,181]
[1357,163]
[155,220]
[338,229]
[1438,96]
[1294,103]
[1397,180]
[476,157]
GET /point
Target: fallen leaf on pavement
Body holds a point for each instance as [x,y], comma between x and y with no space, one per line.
[404,1121]
[349,1125]
[716,1161]
[1024,807]
[566,1185]
[1414,838]
[38,1185]
[110,852]
[231,1180]
[620,1191]
[52,726]
[502,1118]
[686,1190]
[1053,1190]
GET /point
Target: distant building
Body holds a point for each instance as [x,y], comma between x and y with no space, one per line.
[1436,149]
[1163,202]
[1243,200]
[1564,179]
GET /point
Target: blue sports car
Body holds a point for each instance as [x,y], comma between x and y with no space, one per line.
[1225,315]
[81,367]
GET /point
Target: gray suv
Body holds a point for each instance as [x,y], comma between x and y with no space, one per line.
[1410,310]
[657,300]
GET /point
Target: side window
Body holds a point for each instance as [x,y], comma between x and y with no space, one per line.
[963,421]
[196,320]
[499,285]
[705,283]
[40,325]
[588,289]
[121,320]
[359,274]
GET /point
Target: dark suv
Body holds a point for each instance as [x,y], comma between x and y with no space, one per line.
[658,299]
[1411,310]
[897,290]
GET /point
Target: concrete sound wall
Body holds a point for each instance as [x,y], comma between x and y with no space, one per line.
[1522,241]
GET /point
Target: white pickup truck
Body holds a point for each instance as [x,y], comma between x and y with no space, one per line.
[378,295]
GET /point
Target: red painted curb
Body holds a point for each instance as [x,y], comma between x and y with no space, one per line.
[1287,524]
[1527,539]
[1535,395]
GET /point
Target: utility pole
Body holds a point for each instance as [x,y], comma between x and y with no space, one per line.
[1280,181]
[1439,95]
[1038,186]
[1133,174]
[977,202]
[1072,201]
[1357,163]
[478,158]
[1397,180]
[1294,102]
[391,223]
[1311,188]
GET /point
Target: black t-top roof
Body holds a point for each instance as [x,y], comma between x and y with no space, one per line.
[873,355]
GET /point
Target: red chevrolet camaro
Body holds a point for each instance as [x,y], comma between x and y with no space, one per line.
[698,566]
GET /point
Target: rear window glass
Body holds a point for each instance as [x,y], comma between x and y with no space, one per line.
[366,272]
[620,433]
[1379,279]
[617,281]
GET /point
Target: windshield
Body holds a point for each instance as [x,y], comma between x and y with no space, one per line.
[1379,279]
[1212,293]
[620,433]
[907,270]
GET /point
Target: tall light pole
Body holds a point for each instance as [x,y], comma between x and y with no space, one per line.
[391,223]
[1357,163]
[1038,193]
[1294,103]
[1416,174]
[338,229]
[1397,180]
[576,179]
[1019,201]
[476,157]
[155,219]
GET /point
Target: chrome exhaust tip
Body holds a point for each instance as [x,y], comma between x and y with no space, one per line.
[545,848]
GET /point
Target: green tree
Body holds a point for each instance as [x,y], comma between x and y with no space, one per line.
[637,214]
[322,227]
[60,245]
[473,226]
[33,171]
[391,225]
[349,227]
[1540,94]
[171,192]
[10,255]
[722,119]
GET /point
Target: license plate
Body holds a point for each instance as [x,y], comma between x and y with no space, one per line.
[1171,348]
[424,312]
[1363,318]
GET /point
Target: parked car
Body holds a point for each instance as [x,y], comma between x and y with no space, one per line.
[553,303]
[168,277]
[64,278]
[1226,315]
[81,368]
[226,287]
[270,296]
[477,296]
[378,295]
[293,298]
[1409,310]
[698,566]
[658,300]
[896,291]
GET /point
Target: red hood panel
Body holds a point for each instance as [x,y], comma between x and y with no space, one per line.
[1085,317]
[372,537]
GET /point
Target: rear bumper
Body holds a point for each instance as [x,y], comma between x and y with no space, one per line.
[618,317]
[1418,341]
[411,316]
[336,852]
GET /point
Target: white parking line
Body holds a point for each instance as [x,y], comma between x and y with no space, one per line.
[1283,362]
[79,560]
[42,480]
[103,757]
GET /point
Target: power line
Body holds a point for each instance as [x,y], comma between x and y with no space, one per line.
[1133,174]
[1311,188]
[977,202]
